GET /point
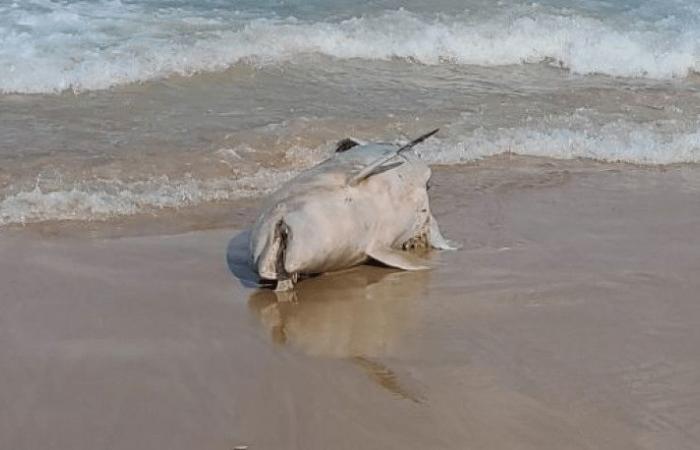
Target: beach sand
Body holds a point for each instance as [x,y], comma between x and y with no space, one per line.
[568,320]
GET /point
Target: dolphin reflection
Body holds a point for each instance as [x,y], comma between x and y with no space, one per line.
[361,312]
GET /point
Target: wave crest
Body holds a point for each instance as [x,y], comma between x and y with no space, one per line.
[101,200]
[88,46]
[106,199]
[618,141]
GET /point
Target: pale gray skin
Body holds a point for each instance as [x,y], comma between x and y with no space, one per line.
[327,219]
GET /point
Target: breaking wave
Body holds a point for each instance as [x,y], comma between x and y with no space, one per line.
[615,142]
[50,46]
[102,200]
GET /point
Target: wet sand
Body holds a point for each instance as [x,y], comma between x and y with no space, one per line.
[568,320]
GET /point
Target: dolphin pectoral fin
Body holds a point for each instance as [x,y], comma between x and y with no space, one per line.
[374,168]
[378,166]
[397,258]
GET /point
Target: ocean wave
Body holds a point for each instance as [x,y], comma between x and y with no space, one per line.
[105,199]
[57,46]
[618,141]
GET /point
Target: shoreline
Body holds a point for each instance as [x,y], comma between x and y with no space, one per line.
[241,212]
[568,320]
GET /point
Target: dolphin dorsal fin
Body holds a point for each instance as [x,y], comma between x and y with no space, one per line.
[378,166]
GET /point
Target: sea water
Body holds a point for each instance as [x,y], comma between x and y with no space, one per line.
[111,107]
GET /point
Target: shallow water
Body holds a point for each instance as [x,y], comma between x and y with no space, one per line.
[568,321]
[118,108]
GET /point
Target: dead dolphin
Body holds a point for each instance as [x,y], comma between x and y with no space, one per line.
[366,201]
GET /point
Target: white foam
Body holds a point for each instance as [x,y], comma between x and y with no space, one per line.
[54,46]
[104,199]
[618,141]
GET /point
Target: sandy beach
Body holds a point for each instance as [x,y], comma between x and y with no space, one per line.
[568,320]
[139,138]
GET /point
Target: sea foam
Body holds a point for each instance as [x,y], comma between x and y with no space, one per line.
[618,141]
[54,46]
[104,199]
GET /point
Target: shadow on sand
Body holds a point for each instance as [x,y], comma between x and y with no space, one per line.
[237,260]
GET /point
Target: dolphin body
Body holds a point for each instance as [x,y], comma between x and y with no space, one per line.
[366,201]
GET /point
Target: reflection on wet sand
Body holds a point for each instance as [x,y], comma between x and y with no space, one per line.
[360,314]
